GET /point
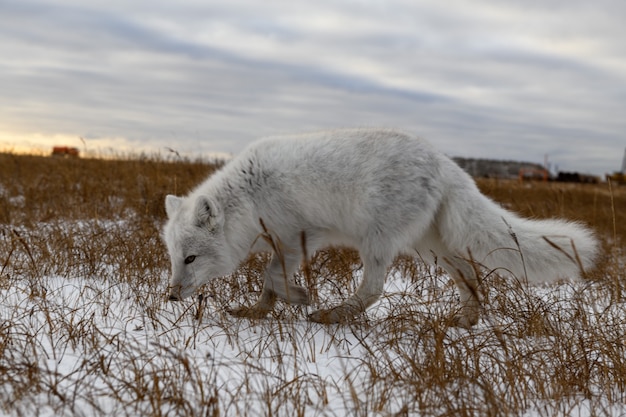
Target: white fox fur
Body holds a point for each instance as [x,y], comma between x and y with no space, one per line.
[382,192]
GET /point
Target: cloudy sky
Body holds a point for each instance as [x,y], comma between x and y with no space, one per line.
[506,79]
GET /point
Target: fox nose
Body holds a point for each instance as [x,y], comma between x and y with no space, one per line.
[175,294]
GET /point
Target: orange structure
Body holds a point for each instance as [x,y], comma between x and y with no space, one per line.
[526,174]
[66,151]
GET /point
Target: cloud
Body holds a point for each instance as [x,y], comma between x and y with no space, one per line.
[510,79]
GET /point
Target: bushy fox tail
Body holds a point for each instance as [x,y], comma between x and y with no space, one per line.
[539,251]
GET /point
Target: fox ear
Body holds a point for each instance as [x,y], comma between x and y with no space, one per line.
[171,204]
[207,212]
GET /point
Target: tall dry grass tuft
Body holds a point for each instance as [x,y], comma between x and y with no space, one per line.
[85,328]
[39,188]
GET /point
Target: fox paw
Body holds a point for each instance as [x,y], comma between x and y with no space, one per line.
[465,321]
[339,314]
[294,294]
[254,312]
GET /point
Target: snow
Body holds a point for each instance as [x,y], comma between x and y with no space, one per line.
[90,342]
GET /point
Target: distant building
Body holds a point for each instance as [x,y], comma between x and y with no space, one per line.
[577,177]
[65,151]
[490,168]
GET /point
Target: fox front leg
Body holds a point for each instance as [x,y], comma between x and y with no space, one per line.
[276,284]
[367,294]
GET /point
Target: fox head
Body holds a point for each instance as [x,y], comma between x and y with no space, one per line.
[194,236]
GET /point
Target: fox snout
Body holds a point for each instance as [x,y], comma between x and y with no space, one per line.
[175,293]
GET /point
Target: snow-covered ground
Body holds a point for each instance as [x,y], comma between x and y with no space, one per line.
[92,339]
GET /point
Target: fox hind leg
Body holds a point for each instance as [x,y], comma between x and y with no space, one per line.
[464,276]
[462,272]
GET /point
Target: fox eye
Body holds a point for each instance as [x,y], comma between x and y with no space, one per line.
[190,259]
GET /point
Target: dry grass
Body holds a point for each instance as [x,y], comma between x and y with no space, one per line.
[85,329]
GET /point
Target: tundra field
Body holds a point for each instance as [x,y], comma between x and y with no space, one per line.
[85,328]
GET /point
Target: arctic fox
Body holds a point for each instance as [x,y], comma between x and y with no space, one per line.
[382,192]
